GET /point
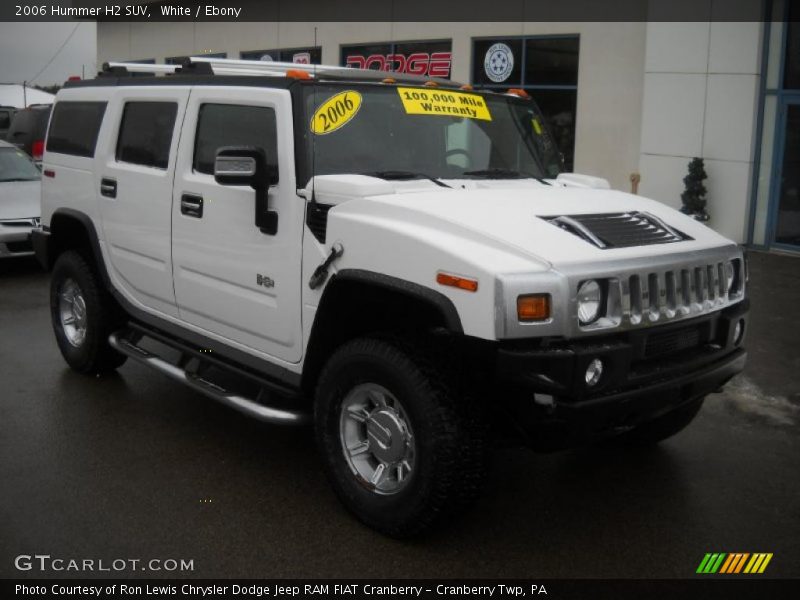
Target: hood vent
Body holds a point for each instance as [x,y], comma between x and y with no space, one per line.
[619,230]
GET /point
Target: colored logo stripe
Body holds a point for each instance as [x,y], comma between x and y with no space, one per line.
[734,563]
[710,563]
[721,562]
[758,563]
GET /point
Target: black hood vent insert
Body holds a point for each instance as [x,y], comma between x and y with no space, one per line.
[619,230]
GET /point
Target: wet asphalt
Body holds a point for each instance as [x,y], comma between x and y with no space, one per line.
[135,466]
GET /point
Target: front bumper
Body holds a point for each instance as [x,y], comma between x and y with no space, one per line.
[646,373]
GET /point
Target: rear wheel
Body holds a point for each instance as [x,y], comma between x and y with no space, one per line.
[400,448]
[83,315]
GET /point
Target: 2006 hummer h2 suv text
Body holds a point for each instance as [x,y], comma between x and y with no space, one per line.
[399,259]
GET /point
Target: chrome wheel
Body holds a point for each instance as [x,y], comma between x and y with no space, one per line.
[72,312]
[377,439]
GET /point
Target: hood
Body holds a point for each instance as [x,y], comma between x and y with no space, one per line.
[20,200]
[512,213]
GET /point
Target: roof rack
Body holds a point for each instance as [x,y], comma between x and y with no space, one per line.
[214,66]
[203,65]
[121,69]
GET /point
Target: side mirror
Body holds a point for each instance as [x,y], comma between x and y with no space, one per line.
[247,165]
[244,165]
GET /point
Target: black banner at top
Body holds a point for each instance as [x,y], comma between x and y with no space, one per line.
[385,10]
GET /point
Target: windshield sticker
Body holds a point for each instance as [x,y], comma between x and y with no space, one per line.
[335,112]
[536,126]
[444,103]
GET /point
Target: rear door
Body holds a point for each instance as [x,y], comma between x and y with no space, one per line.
[231,279]
[134,182]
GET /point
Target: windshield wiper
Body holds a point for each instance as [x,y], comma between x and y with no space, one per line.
[404,175]
[500,173]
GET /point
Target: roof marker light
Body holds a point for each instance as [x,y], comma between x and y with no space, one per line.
[297,74]
[518,92]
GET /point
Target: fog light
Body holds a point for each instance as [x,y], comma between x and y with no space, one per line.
[593,372]
[738,332]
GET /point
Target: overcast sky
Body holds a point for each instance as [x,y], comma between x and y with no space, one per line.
[25,48]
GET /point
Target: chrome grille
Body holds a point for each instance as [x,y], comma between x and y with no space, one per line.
[619,230]
[677,292]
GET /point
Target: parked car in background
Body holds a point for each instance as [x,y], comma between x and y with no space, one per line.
[28,129]
[20,201]
[6,114]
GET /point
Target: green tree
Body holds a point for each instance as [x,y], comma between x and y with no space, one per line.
[694,196]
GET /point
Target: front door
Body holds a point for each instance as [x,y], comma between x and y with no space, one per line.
[787,203]
[234,282]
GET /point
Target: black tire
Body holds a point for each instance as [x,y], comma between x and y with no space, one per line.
[92,354]
[663,427]
[449,439]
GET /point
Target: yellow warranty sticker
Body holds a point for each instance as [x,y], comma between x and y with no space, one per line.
[446,103]
[335,112]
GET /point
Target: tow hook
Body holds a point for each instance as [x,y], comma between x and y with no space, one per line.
[321,272]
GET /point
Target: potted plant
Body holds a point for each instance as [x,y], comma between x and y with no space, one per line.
[694,196]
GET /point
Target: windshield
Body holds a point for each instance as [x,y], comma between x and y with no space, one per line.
[399,132]
[15,165]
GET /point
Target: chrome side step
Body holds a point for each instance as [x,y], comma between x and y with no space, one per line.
[189,371]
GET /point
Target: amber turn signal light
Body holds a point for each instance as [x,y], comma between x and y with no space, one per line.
[462,283]
[533,307]
[518,92]
[297,74]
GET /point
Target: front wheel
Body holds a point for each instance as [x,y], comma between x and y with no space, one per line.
[83,315]
[400,448]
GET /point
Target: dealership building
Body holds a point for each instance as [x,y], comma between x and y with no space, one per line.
[625,100]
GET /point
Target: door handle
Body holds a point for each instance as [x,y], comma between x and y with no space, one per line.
[108,187]
[192,205]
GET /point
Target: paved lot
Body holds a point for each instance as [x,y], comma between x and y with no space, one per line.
[135,466]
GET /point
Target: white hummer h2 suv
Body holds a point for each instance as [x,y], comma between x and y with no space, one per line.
[400,260]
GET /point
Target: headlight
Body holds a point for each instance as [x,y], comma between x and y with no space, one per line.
[590,299]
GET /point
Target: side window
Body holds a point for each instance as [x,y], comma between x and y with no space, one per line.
[233,125]
[5,119]
[145,133]
[74,127]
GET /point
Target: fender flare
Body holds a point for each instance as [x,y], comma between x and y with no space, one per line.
[443,305]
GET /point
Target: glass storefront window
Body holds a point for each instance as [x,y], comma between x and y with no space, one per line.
[551,61]
[787,224]
[544,66]
[497,61]
[431,58]
[306,56]
[791,69]
[765,172]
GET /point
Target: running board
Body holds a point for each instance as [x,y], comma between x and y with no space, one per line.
[189,371]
